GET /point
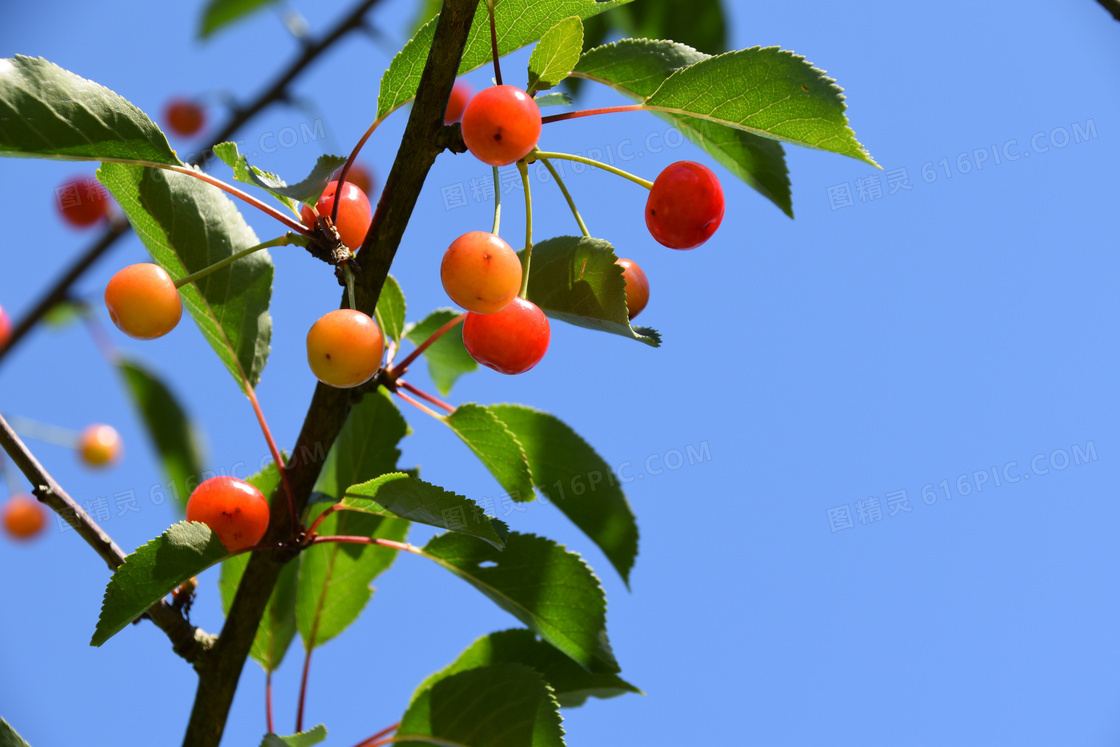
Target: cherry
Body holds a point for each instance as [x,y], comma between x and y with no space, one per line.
[354,213]
[510,341]
[143,301]
[685,206]
[184,117]
[480,272]
[82,201]
[461,94]
[24,517]
[501,125]
[5,327]
[637,286]
[100,445]
[232,508]
[361,177]
[344,348]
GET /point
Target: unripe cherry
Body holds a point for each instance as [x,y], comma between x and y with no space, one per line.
[23,517]
[510,341]
[501,124]
[99,445]
[233,509]
[344,348]
[480,272]
[143,301]
[685,205]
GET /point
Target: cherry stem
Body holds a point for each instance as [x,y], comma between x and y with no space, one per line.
[276,457]
[285,240]
[268,701]
[230,189]
[541,155]
[303,688]
[494,44]
[497,202]
[425,396]
[369,741]
[571,203]
[350,540]
[524,169]
[417,405]
[592,112]
[399,369]
[319,519]
[349,273]
[350,162]
[48,434]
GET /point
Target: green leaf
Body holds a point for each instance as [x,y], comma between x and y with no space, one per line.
[334,578]
[402,495]
[447,358]
[571,684]
[220,13]
[576,280]
[503,705]
[64,313]
[556,54]
[48,112]
[496,447]
[366,447]
[556,98]
[308,191]
[551,590]
[637,67]
[519,22]
[768,91]
[9,737]
[390,310]
[303,739]
[577,481]
[187,225]
[170,430]
[150,573]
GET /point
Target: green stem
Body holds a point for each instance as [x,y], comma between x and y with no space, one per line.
[497,202]
[571,203]
[524,169]
[541,155]
[284,240]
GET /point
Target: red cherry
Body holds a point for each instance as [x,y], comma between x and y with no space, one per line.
[361,177]
[637,286]
[5,327]
[232,508]
[82,201]
[510,341]
[461,94]
[184,117]
[685,206]
[501,125]
[354,213]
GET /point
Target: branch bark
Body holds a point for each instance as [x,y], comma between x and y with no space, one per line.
[424,138]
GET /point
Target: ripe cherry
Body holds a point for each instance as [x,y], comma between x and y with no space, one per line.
[24,517]
[143,301]
[100,445]
[5,327]
[685,206]
[510,341]
[184,117]
[82,201]
[481,272]
[361,177]
[232,508]
[461,94]
[344,348]
[637,286]
[354,213]
[501,125]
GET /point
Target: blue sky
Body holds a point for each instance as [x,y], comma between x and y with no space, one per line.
[951,325]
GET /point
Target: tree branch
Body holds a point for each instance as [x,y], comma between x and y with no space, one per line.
[424,138]
[188,641]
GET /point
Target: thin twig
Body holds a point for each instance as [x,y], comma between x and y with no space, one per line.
[424,395]
[383,733]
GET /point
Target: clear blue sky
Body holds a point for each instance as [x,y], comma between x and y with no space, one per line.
[959,328]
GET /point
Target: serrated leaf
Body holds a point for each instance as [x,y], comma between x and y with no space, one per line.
[496,447]
[546,587]
[398,494]
[447,358]
[577,481]
[303,739]
[637,67]
[150,573]
[366,446]
[576,280]
[571,684]
[170,430]
[49,112]
[308,191]
[555,55]
[765,90]
[502,705]
[390,310]
[9,737]
[187,225]
[519,22]
[556,98]
[220,13]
